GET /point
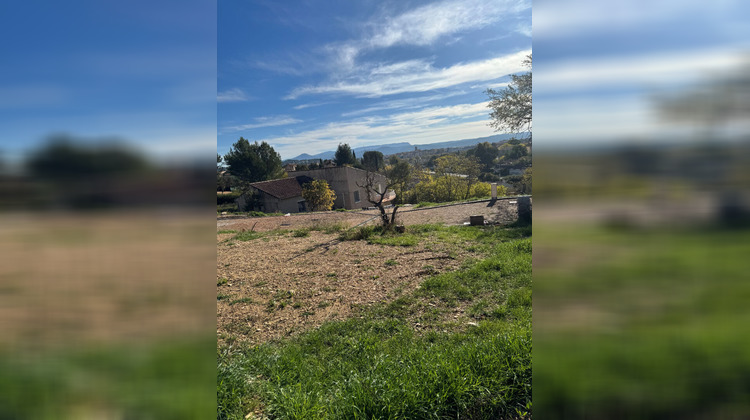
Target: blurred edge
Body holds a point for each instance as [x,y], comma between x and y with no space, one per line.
[107,303]
[641,231]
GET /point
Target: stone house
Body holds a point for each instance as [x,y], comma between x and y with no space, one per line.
[343,181]
[285,194]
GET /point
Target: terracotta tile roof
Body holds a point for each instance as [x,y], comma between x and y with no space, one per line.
[283,188]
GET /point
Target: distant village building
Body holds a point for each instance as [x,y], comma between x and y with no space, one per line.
[290,167]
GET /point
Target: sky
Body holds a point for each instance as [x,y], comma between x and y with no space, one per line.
[602,69]
[305,76]
[141,72]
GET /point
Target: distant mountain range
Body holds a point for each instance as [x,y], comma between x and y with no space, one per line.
[392,148]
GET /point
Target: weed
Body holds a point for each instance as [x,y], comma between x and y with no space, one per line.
[391,263]
[242,300]
[222,281]
[301,233]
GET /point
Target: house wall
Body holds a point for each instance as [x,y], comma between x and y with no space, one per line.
[343,181]
[272,204]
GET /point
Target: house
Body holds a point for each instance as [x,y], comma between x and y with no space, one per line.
[345,181]
[285,194]
[279,195]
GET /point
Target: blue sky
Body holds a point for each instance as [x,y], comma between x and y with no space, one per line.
[140,71]
[307,75]
[601,68]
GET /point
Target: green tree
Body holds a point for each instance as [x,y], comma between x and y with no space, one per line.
[486,154]
[253,162]
[511,107]
[373,160]
[516,152]
[457,175]
[318,195]
[526,182]
[344,155]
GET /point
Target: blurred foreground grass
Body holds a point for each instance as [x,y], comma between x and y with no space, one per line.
[107,315]
[635,323]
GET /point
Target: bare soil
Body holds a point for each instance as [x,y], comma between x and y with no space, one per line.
[501,211]
[280,285]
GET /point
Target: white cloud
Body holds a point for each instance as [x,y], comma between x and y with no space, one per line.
[232,95]
[274,121]
[424,126]
[411,102]
[643,71]
[399,80]
[425,25]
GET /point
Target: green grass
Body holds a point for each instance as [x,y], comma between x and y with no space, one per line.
[242,300]
[663,335]
[376,365]
[162,380]
[221,232]
[301,233]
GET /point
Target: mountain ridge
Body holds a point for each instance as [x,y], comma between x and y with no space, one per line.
[393,148]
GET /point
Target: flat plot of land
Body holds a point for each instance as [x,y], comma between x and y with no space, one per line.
[502,211]
[278,285]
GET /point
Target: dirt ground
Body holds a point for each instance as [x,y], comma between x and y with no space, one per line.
[280,285]
[501,211]
[71,279]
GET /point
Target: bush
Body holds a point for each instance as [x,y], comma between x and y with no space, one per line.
[227,198]
[360,233]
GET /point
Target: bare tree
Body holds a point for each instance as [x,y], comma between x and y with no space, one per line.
[377,192]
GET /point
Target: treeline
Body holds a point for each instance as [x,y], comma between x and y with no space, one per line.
[443,178]
[71,173]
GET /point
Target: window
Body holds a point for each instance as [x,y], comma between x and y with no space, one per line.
[356,196]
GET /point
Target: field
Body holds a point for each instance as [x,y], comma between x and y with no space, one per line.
[328,322]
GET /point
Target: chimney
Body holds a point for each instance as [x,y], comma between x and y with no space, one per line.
[494,190]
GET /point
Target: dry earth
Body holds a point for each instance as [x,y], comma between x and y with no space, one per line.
[72,279]
[501,211]
[279,285]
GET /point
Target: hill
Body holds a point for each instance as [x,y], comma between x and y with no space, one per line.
[393,148]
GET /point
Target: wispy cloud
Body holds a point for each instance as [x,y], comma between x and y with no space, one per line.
[423,26]
[261,122]
[417,76]
[424,126]
[232,95]
[311,104]
[411,102]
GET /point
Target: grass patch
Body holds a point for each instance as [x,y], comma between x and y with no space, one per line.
[242,300]
[301,233]
[377,365]
[162,380]
[224,231]
[391,263]
[222,281]
[679,301]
